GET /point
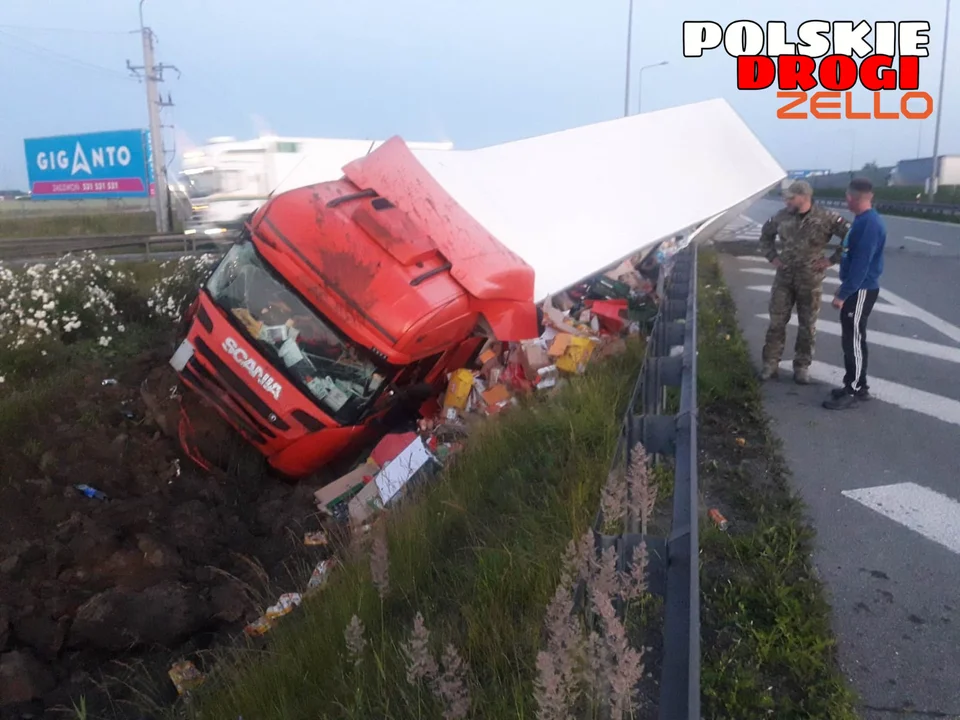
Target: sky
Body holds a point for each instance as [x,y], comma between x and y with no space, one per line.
[472,73]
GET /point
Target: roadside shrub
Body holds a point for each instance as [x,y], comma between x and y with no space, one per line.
[178,285]
[72,299]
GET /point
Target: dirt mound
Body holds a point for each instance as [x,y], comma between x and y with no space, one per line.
[173,558]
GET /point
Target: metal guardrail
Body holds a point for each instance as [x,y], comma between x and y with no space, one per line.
[674,564]
[39,248]
[900,207]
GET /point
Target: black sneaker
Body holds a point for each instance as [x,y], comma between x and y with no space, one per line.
[860,393]
[845,402]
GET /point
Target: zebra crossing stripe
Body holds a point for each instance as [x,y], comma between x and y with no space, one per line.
[879,307]
[897,342]
[904,397]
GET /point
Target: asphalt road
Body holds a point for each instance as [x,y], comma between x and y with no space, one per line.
[882,482]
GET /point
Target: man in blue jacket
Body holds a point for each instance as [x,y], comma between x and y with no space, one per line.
[860,268]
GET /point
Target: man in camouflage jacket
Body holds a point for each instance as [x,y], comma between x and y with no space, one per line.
[805,230]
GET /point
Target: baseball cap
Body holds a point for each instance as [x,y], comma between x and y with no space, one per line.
[799,187]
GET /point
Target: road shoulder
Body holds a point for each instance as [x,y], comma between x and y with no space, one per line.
[768,647]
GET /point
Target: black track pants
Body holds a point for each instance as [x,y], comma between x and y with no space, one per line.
[853,320]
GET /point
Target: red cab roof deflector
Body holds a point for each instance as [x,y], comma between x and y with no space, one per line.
[499,280]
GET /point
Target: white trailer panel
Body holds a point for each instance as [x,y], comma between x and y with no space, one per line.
[575,202]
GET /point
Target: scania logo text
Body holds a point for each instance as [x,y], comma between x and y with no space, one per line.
[256,371]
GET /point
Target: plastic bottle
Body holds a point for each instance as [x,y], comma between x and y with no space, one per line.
[90,492]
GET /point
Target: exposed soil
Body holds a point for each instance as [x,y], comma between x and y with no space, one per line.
[93,592]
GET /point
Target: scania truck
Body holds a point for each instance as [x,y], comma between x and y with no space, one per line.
[337,297]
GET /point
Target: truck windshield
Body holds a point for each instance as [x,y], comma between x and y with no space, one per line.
[293,337]
[201,183]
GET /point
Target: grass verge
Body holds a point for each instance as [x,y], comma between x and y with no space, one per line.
[477,554]
[34,376]
[768,649]
[133,223]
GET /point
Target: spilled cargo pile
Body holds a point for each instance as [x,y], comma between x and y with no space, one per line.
[587,323]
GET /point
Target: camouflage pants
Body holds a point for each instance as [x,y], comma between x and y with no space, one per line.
[803,290]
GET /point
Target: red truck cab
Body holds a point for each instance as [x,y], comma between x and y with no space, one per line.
[339,296]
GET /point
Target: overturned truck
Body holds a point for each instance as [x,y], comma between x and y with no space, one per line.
[341,301]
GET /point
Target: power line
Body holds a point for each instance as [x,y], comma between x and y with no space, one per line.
[41,51]
[75,31]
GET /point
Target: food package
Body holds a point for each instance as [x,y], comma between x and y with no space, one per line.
[318,578]
[496,398]
[559,320]
[365,503]
[185,676]
[487,356]
[533,357]
[285,605]
[458,390]
[260,626]
[315,539]
[275,334]
[611,314]
[576,356]
[345,487]
[253,325]
[547,377]
[559,345]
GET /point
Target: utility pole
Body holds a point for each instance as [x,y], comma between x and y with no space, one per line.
[152,75]
[626,92]
[935,162]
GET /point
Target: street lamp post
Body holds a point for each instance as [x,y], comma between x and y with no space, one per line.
[626,92]
[853,151]
[640,83]
[935,161]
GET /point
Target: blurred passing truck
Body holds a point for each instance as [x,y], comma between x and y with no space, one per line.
[344,299]
[228,179]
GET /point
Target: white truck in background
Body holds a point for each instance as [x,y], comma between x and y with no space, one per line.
[228,179]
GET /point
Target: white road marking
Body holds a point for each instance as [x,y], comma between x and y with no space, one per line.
[938,324]
[771,273]
[908,398]
[921,240]
[878,307]
[934,515]
[875,337]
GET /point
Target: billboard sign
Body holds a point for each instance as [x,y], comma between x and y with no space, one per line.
[801,174]
[89,166]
